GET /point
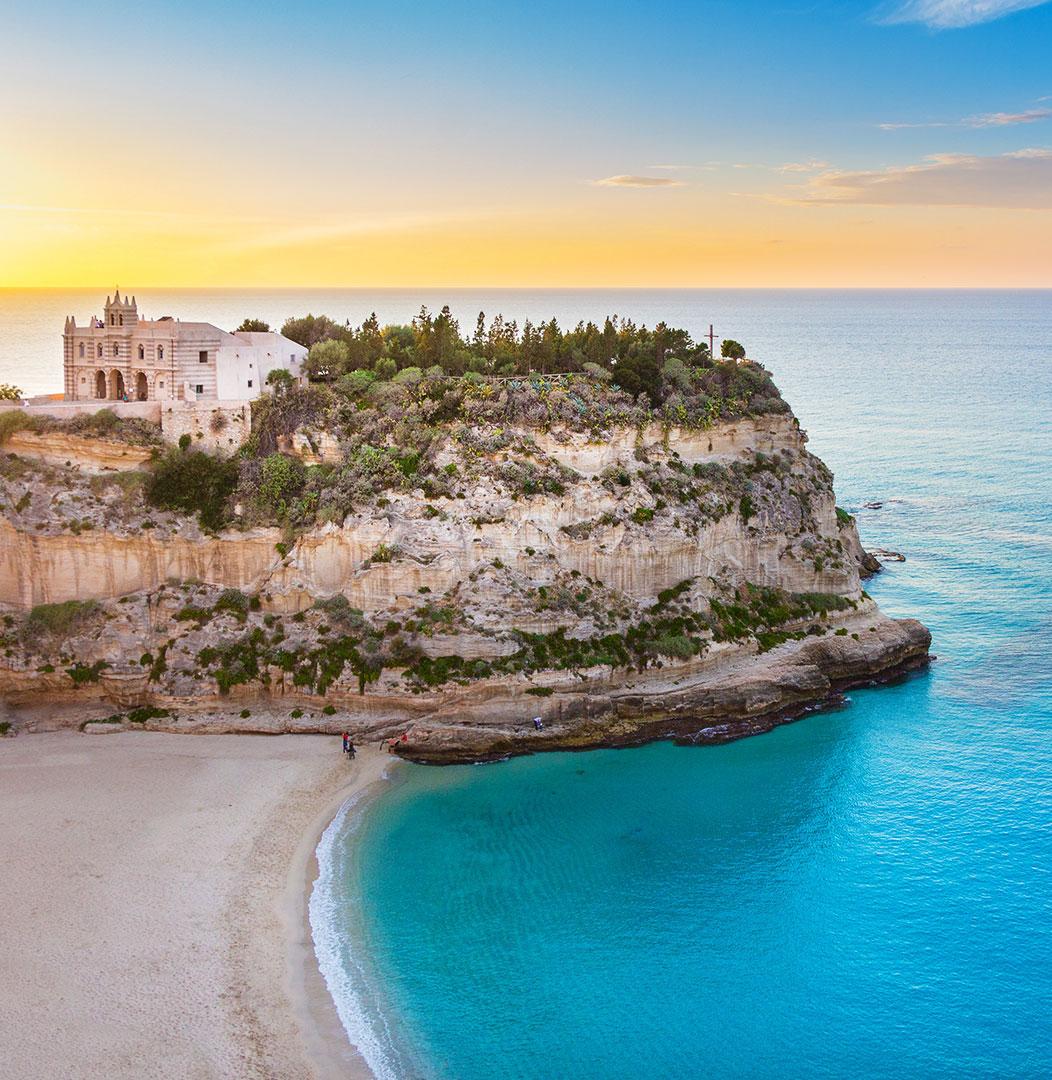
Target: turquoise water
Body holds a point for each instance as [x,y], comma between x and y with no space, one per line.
[863,893]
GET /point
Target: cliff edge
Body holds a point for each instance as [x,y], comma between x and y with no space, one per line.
[469,567]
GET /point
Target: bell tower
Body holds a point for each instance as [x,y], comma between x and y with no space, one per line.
[120,313]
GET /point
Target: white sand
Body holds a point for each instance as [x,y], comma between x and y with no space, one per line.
[152,905]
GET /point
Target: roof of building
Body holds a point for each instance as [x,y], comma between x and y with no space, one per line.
[269,337]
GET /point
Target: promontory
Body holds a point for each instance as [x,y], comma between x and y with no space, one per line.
[473,547]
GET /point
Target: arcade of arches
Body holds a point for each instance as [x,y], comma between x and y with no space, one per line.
[112,386]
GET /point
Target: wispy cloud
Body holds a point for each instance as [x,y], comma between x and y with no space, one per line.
[1020,180]
[803,166]
[953,14]
[923,124]
[983,120]
[627,180]
[1006,119]
[704,166]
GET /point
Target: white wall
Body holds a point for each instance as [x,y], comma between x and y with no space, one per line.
[239,365]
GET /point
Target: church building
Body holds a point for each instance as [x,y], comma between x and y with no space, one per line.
[121,357]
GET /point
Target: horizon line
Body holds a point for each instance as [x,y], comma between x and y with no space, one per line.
[546,288]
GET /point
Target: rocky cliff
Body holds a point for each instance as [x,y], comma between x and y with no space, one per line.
[616,585]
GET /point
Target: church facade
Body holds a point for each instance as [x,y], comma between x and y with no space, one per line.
[120,357]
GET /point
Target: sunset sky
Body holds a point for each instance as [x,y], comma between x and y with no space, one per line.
[464,143]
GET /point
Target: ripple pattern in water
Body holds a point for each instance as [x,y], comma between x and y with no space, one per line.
[863,893]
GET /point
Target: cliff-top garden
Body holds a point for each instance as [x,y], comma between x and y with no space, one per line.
[423,406]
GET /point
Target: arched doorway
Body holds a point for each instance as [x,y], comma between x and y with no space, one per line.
[142,387]
[100,384]
[116,385]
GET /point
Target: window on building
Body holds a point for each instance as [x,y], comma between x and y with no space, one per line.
[99,350]
[160,352]
[82,350]
[116,349]
[161,384]
[142,353]
[199,389]
[82,380]
[202,356]
[250,384]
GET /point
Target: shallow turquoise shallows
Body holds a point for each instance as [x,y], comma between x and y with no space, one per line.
[865,893]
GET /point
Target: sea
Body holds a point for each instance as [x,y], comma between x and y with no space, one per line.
[866,892]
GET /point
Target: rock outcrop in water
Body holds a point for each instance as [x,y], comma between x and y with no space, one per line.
[536,586]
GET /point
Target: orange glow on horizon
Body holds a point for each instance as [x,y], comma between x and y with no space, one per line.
[767,246]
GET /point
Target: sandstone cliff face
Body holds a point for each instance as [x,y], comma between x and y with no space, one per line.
[706,576]
[777,547]
[90,454]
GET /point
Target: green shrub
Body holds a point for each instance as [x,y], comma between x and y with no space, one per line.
[59,620]
[329,710]
[147,712]
[160,665]
[233,601]
[281,479]
[339,609]
[843,517]
[86,673]
[642,514]
[193,482]
[674,645]
[192,613]
[12,420]
[666,596]
[383,553]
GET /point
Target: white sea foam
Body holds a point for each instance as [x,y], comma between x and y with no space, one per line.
[362,1019]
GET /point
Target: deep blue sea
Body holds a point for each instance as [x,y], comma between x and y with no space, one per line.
[864,893]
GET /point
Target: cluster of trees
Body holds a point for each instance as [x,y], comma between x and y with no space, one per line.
[631,356]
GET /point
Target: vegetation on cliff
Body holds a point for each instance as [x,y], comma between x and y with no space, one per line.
[499,347]
[226,636]
[104,424]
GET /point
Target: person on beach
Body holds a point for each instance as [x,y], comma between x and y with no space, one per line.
[346,741]
[350,747]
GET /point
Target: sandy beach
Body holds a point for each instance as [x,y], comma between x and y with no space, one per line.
[153,902]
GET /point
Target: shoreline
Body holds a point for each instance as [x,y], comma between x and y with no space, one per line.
[155,894]
[329,1046]
[245,954]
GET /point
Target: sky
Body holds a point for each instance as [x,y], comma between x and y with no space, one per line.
[880,143]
